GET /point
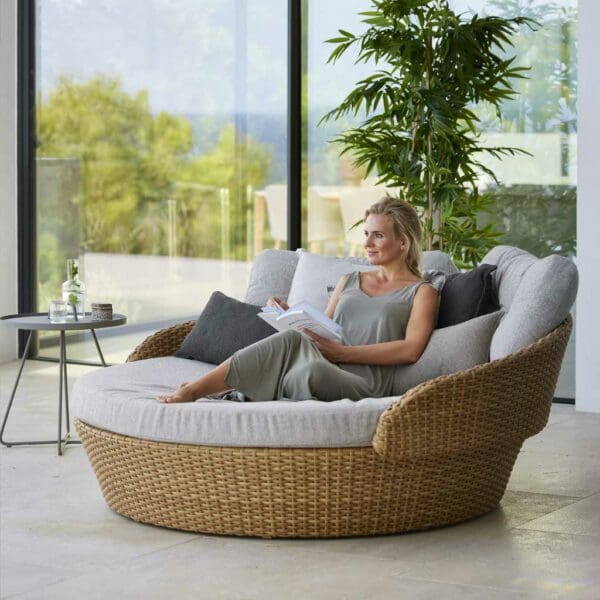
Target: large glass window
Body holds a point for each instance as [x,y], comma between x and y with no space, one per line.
[161,157]
[160,123]
[534,201]
[535,198]
[335,193]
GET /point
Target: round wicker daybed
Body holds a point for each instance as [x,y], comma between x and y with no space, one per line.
[442,454]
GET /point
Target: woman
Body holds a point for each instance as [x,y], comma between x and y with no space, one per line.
[387,317]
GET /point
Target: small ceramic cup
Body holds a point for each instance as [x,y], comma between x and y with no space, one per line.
[102,311]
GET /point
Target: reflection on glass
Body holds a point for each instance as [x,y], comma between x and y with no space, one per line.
[152,143]
[336,193]
[535,198]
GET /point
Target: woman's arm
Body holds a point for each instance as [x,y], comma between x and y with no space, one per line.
[335,296]
[333,300]
[418,331]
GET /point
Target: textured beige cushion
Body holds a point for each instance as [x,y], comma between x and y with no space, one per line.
[271,275]
[449,350]
[535,294]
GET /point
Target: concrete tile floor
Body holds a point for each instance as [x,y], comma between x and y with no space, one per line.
[58,539]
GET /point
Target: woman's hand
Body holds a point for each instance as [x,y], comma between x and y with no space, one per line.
[273,301]
[333,351]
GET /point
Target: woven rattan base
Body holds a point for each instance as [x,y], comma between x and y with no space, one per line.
[442,454]
[268,492]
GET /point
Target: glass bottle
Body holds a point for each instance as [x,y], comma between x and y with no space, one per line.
[73,289]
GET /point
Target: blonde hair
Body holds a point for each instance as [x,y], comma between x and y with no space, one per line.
[406,227]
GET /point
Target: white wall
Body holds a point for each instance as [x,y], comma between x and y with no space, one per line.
[8,172]
[587,378]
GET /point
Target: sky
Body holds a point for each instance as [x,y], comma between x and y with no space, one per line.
[184,52]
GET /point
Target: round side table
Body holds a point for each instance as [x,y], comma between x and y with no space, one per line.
[41,322]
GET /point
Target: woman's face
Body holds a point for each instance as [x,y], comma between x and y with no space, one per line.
[381,244]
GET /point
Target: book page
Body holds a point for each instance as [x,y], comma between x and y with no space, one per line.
[300,320]
[318,316]
[302,315]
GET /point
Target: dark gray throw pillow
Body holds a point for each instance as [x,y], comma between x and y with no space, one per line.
[225,326]
[467,295]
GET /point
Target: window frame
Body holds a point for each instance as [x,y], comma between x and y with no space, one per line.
[26,176]
[26,146]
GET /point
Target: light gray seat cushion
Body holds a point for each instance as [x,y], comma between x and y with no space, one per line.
[535,295]
[122,399]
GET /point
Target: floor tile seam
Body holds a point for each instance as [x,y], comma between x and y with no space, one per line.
[545,514]
[576,498]
[134,557]
[563,533]
[112,563]
[524,523]
[595,455]
[40,587]
[45,586]
[90,568]
[473,586]
[529,492]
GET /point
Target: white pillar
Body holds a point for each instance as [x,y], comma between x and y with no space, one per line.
[8,173]
[587,343]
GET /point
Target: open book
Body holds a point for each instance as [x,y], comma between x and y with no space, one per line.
[302,315]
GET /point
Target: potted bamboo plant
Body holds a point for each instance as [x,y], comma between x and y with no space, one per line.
[432,67]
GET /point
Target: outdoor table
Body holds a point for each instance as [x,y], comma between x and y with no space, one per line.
[41,322]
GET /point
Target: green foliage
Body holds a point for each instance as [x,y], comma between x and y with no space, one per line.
[141,188]
[128,158]
[421,131]
[540,219]
[235,166]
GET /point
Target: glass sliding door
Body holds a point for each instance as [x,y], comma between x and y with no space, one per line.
[535,198]
[160,124]
[161,145]
[534,202]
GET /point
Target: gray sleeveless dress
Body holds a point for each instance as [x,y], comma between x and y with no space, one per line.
[288,366]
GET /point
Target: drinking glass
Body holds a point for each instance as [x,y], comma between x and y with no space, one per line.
[58,311]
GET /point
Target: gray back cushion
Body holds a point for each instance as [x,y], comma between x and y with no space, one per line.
[535,295]
[435,260]
[271,275]
[449,350]
[273,272]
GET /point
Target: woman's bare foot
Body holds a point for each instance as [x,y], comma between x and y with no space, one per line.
[185,393]
[211,383]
